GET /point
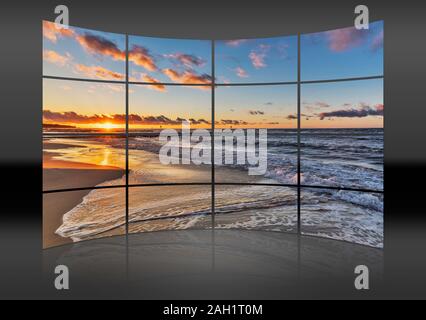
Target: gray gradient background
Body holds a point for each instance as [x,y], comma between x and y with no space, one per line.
[21,88]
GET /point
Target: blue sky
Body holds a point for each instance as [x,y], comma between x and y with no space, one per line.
[170,60]
[342,53]
[82,53]
[256,60]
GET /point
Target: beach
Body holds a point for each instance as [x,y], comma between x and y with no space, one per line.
[62,174]
[89,214]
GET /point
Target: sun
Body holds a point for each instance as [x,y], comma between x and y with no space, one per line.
[107,125]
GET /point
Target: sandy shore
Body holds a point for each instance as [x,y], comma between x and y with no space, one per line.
[59,174]
[62,174]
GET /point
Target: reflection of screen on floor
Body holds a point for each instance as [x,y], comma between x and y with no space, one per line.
[128,122]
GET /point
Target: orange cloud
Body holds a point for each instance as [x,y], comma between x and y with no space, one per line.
[99,45]
[98,72]
[52,31]
[142,57]
[158,87]
[187,77]
[143,77]
[187,60]
[56,58]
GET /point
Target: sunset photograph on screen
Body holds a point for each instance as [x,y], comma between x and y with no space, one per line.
[94,107]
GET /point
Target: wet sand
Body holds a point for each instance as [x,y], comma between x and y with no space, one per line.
[60,174]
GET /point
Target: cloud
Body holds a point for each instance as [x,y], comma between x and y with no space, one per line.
[98,72]
[257,56]
[240,72]
[75,118]
[187,77]
[377,42]
[56,58]
[143,77]
[291,117]
[363,111]
[188,60]
[157,120]
[269,103]
[158,87]
[235,43]
[256,112]
[233,122]
[142,57]
[99,45]
[380,108]
[344,39]
[53,31]
[199,121]
[81,69]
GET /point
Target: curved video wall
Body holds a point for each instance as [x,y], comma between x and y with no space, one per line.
[146,134]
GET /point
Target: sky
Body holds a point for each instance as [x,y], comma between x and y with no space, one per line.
[341,53]
[347,104]
[256,106]
[169,60]
[256,60]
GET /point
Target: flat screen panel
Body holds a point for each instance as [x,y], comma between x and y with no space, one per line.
[256,60]
[343,215]
[83,53]
[169,208]
[342,53]
[169,157]
[169,60]
[342,134]
[83,162]
[255,138]
[73,216]
[256,208]
[81,107]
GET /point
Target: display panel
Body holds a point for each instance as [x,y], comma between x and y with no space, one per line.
[256,208]
[80,162]
[164,60]
[342,53]
[81,121]
[239,144]
[256,60]
[169,208]
[82,53]
[160,156]
[343,215]
[80,106]
[73,216]
[342,136]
